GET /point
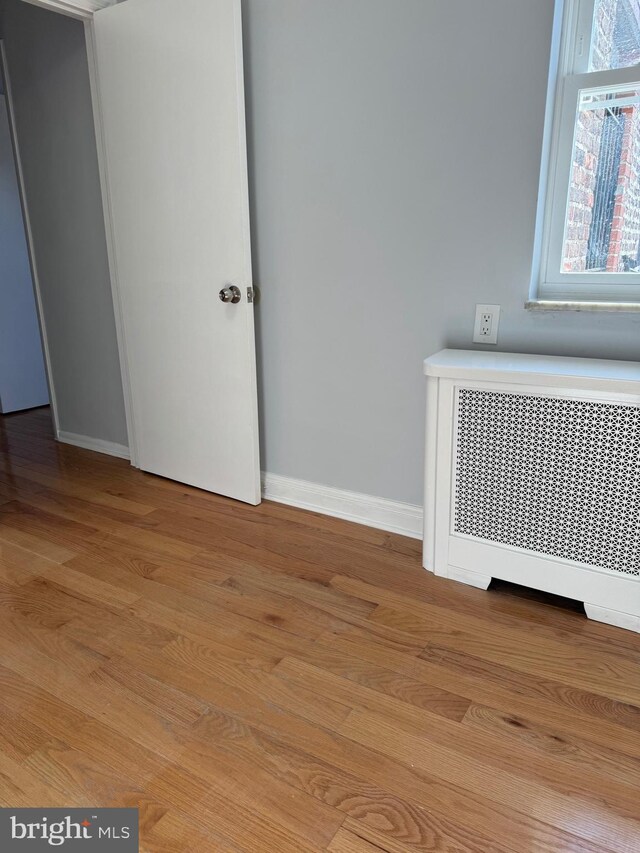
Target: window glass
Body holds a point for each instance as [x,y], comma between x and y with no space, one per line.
[602,227]
[615,42]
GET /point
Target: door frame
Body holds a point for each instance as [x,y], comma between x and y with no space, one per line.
[92,59]
[83,10]
[6,80]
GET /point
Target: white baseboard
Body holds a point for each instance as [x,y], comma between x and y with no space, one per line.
[96,444]
[393,516]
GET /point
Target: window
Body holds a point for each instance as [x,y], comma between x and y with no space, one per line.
[590,248]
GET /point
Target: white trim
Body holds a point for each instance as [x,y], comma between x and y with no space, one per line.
[95,444]
[103,169]
[600,377]
[569,76]
[82,10]
[4,75]
[557,305]
[431,467]
[384,514]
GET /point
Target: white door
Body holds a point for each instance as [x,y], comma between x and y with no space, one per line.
[170,82]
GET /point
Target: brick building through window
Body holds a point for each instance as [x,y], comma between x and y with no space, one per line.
[602,230]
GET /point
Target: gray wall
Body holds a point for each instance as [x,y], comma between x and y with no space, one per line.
[50,82]
[394,157]
[23,383]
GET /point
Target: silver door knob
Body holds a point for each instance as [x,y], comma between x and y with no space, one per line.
[230,294]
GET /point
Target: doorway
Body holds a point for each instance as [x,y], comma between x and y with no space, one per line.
[160,176]
[23,382]
[48,95]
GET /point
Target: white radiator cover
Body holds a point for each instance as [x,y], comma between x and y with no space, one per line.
[533,476]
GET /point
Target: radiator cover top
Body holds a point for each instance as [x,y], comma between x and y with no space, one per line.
[557,476]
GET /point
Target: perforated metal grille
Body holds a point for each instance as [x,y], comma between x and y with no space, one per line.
[554,475]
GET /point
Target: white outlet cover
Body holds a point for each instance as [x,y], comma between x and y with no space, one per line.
[492,337]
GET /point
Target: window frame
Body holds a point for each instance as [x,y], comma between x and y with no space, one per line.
[570,61]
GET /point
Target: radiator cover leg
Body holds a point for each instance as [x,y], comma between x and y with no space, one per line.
[476,579]
[630,621]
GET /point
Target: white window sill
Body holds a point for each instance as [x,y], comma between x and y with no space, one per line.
[557,305]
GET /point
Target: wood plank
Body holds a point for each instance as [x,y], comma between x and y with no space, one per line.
[506,788]
[346,842]
[581,755]
[521,650]
[510,607]
[261,678]
[33,542]
[175,834]
[263,736]
[572,770]
[391,695]
[591,716]
[596,705]
[374,809]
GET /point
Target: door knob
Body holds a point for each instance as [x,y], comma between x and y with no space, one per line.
[230,294]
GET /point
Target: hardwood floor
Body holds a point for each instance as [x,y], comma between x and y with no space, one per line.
[267,679]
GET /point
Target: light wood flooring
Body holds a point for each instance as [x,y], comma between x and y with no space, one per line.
[271,680]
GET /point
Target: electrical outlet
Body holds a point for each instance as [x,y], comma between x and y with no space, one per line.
[485,330]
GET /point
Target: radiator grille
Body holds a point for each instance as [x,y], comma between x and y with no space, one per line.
[553,475]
